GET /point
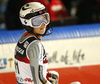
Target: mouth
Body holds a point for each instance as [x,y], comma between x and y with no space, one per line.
[41,28]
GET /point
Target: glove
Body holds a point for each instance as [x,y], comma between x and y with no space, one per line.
[48,82]
[53,77]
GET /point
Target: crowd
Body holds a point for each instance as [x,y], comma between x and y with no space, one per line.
[86,11]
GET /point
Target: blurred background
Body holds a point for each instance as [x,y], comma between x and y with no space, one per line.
[62,12]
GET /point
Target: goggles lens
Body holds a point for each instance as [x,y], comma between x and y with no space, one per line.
[36,21]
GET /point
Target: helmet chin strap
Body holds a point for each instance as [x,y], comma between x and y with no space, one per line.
[44,33]
[47,30]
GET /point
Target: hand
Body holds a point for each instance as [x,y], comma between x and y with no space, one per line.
[48,82]
[53,77]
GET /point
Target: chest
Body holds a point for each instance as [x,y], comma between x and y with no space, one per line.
[44,55]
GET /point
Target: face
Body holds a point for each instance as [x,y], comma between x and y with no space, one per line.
[40,30]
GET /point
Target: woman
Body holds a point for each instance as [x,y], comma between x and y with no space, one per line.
[30,57]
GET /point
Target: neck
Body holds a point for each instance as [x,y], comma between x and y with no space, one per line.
[39,37]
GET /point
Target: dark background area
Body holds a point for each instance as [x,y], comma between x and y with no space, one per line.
[79,12]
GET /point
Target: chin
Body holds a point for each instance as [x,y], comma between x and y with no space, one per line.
[42,33]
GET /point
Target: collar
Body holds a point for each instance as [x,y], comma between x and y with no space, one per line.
[29,34]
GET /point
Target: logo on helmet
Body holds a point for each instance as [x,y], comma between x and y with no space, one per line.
[24,8]
[25,22]
[40,12]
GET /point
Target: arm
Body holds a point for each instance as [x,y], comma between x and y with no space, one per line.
[36,63]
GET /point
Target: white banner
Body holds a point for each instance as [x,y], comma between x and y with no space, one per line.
[61,53]
[73,52]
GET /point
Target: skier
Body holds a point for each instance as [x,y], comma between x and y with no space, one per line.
[30,57]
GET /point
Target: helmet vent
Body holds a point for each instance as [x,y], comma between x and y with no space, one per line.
[27,5]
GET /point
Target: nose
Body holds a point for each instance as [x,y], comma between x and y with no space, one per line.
[43,24]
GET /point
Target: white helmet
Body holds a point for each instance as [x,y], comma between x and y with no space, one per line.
[32,15]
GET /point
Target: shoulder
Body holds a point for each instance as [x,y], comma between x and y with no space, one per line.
[35,45]
[27,37]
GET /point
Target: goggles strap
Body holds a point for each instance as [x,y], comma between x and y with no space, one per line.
[25,21]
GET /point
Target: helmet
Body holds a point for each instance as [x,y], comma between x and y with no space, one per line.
[32,15]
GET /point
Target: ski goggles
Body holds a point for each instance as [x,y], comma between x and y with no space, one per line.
[37,20]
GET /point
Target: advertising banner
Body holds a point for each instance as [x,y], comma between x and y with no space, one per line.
[73,52]
[61,53]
